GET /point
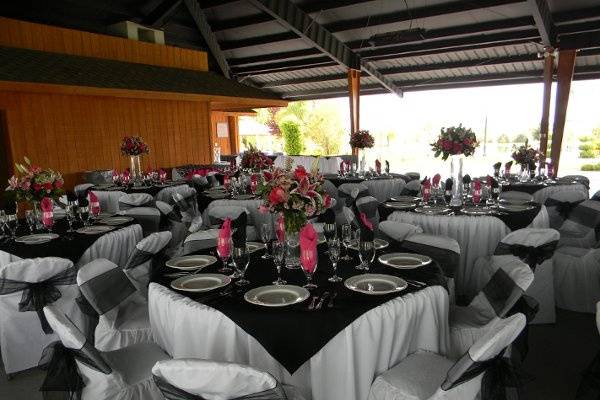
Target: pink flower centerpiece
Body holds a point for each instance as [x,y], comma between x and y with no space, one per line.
[32,183]
[455,140]
[255,160]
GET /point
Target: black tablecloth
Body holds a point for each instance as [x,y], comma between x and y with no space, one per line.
[292,335]
[151,190]
[532,187]
[68,245]
[514,220]
[338,181]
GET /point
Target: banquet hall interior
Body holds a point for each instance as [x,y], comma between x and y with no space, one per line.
[154,246]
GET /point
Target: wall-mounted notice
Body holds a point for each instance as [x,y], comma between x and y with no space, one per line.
[222,129]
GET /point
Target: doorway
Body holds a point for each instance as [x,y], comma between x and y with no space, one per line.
[5,158]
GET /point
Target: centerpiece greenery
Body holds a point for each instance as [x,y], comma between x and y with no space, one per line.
[32,183]
[455,140]
[255,159]
[362,140]
[526,155]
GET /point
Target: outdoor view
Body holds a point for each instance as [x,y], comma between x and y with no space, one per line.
[501,116]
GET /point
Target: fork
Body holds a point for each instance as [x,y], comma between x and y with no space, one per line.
[323,298]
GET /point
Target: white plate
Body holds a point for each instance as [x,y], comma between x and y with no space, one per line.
[95,229]
[433,210]
[244,197]
[477,210]
[519,202]
[404,260]
[190,263]
[254,246]
[113,221]
[379,244]
[276,295]
[405,199]
[515,207]
[398,205]
[200,283]
[37,238]
[375,284]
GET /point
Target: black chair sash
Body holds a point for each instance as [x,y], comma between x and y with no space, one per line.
[174,393]
[447,259]
[138,257]
[585,216]
[106,291]
[347,198]
[500,291]
[126,206]
[564,208]
[63,380]
[532,256]
[369,209]
[589,387]
[90,315]
[409,192]
[238,236]
[37,295]
[185,204]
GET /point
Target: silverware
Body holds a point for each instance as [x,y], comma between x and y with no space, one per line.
[330,304]
[323,298]
[213,296]
[311,306]
[416,283]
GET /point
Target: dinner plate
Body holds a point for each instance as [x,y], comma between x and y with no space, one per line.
[477,211]
[276,295]
[379,244]
[433,210]
[217,195]
[95,229]
[254,246]
[118,220]
[244,197]
[404,260]
[515,207]
[37,238]
[406,199]
[190,263]
[519,202]
[200,283]
[398,205]
[375,284]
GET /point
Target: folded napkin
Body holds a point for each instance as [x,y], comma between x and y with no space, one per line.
[226,181]
[329,216]
[94,204]
[308,248]
[387,166]
[253,183]
[82,201]
[47,207]
[366,228]
[232,163]
[449,184]
[426,189]
[507,167]
[497,166]
[162,175]
[448,190]
[239,234]
[71,197]
[378,166]
[341,167]
[476,191]
[223,241]
[435,181]
[280,229]
[467,179]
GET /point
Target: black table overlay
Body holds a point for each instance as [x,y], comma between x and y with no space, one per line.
[292,335]
[69,245]
[533,187]
[152,190]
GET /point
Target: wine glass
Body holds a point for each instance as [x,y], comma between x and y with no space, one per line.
[309,272]
[279,251]
[31,220]
[84,215]
[334,257]
[224,252]
[366,253]
[346,240]
[330,231]
[12,223]
[266,232]
[241,259]
[2,223]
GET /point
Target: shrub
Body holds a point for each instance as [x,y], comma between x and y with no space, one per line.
[292,139]
[586,146]
[590,167]
[584,139]
[587,154]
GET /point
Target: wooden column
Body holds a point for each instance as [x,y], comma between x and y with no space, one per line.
[354,96]
[566,64]
[548,72]
[234,134]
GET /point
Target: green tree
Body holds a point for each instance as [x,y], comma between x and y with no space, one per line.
[536,133]
[323,126]
[520,138]
[293,144]
[269,117]
[503,138]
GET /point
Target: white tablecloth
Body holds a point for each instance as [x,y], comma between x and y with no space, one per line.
[477,237]
[327,165]
[342,370]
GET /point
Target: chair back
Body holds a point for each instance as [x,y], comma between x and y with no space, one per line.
[147,217]
[109,200]
[442,249]
[385,189]
[219,213]
[144,258]
[348,193]
[584,180]
[560,204]
[135,200]
[370,207]
[398,231]
[533,246]
[200,240]
[412,188]
[596,196]
[81,189]
[583,222]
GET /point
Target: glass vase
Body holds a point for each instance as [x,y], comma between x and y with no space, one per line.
[37,212]
[135,169]
[294,221]
[525,174]
[456,173]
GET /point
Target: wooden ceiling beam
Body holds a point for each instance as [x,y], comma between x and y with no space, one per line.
[158,17]
[543,21]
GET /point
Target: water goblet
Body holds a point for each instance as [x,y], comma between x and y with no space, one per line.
[279,251]
[31,220]
[224,252]
[84,215]
[12,223]
[366,253]
[266,232]
[309,272]
[241,259]
[334,257]
[330,231]
[2,224]
[346,240]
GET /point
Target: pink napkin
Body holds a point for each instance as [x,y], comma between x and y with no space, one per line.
[378,166]
[342,168]
[223,242]
[365,220]
[426,190]
[94,204]
[436,180]
[489,181]
[162,175]
[47,212]
[253,183]
[476,191]
[308,248]
[507,167]
[226,181]
[280,229]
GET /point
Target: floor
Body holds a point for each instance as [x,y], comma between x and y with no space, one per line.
[557,355]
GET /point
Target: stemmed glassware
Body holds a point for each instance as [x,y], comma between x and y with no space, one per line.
[2,224]
[30,218]
[309,272]
[12,223]
[334,257]
[346,240]
[84,215]
[266,231]
[366,253]
[224,252]
[330,231]
[279,251]
[241,259]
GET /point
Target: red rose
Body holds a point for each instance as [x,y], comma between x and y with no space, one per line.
[447,145]
[326,201]
[456,147]
[277,195]
[48,185]
[58,184]
[37,187]
[467,142]
[300,173]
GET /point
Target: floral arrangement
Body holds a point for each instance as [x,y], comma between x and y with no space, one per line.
[455,140]
[255,159]
[527,155]
[134,146]
[297,194]
[34,183]
[361,140]
[197,172]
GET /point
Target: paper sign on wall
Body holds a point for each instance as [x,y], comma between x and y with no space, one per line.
[222,129]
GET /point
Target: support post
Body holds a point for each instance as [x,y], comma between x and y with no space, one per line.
[354,96]
[548,72]
[566,64]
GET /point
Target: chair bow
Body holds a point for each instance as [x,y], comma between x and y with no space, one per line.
[563,208]
[37,295]
[531,255]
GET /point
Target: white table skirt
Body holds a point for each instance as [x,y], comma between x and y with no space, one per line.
[327,165]
[343,369]
[477,237]
[115,246]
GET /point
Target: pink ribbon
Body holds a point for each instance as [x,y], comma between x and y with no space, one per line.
[308,248]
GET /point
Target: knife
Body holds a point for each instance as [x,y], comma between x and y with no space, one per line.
[320,303]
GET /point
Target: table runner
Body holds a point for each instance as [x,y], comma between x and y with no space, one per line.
[292,335]
[60,247]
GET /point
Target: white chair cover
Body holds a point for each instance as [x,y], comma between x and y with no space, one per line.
[115,246]
[398,231]
[147,217]
[543,194]
[22,338]
[577,278]
[580,229]
[200,240]
[385,189]
[563,196]
[172,221]
[122,309]
[130,375]
[166,195]
[255,217]
[138,267]
[109,200]
[82,188]
[369,205]
[135,200]
[349,192]
[584,180]
[327,165]
[412,188]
